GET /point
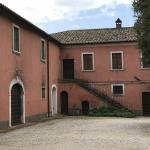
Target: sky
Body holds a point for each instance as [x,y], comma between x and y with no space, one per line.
[61,15]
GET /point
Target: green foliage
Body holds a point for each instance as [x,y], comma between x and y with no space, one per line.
[142,26]
[111,111]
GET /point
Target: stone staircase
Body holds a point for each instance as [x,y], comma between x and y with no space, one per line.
[99,94]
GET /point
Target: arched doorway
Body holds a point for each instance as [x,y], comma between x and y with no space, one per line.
[16,105]
[64,102]
[85,107]
[54,100]
[16,102]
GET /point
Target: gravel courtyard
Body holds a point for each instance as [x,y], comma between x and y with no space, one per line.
[81,133]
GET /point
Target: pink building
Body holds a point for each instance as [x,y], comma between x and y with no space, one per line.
[69,72]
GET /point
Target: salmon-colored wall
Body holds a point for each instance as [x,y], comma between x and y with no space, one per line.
[54,66]
[103,73]
[76,95]
[131,55]
[33,72]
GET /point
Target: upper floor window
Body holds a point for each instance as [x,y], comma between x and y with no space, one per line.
[16,39]
[118,89]
[87,61]
[144,64]
[116,60]
[43,50]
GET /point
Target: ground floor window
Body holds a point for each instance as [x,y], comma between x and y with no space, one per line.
[118,89]
[43,92]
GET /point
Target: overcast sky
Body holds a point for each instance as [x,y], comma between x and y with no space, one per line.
[59,15]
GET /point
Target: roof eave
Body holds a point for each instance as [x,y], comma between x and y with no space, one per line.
[92,43]
[5,11]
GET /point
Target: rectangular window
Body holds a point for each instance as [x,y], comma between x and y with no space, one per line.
[118,89]
[43,92]
[116,60]
[16,39]
[144,64]
[43,50]
[88,61]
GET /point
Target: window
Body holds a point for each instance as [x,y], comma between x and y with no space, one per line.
[16,39]
[43,50]
[88,61]
[43,92]
[144,64]
[116,60]
[118,89]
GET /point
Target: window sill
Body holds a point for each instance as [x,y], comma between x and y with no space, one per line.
[118,95]
[117,69]
[43,60]
[16,52]
[87,70]
[145,68]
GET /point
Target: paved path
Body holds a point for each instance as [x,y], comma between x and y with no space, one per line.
[81,134]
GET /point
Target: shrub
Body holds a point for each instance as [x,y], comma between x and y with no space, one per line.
[111,111]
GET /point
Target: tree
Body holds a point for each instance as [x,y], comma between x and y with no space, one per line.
[142,27]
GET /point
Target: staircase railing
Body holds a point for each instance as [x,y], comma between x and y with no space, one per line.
[101,92]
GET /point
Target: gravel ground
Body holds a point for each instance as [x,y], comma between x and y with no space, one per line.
[81,133]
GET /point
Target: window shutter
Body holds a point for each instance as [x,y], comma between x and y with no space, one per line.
[88,61]
[116,61]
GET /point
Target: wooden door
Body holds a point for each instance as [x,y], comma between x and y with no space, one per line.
[146,103]
[68,68]
[64,103]
[16,105]
[85,107]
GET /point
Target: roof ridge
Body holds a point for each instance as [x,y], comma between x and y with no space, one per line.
[91,30]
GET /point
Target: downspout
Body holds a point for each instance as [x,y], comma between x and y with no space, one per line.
[48,81]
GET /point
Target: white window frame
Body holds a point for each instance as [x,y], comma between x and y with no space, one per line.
[93,60]
[112,91]
[141,62]
[43,60]
[43,87]
[16,51]
[122,57]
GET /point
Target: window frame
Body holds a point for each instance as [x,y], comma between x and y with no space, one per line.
[112,89]
[141,62]
[43,60]
[43,87]
[93,60]
[122,60]
[13,49]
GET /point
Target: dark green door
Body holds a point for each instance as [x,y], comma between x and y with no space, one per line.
[146,103]
[68,68]
[16,105]
[64,103]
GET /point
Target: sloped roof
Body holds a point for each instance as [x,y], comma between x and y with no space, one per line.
[5,11]
[96,36]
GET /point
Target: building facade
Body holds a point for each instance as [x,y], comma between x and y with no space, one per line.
[43,75]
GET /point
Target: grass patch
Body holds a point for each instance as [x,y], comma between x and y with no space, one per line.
[111,111]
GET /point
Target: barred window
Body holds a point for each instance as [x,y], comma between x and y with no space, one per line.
[43,92]
[118,89]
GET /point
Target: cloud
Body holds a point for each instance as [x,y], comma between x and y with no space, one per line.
[38,11]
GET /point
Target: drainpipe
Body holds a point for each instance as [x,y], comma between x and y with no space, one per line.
[48,81]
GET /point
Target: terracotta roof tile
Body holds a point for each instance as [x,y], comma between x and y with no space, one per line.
[96,36]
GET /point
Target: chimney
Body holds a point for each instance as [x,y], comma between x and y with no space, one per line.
[118,24]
